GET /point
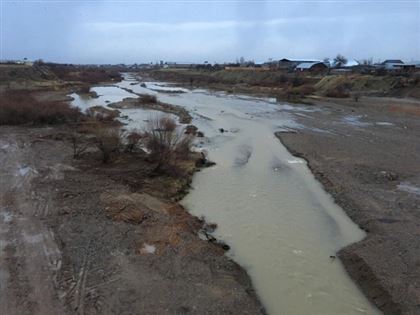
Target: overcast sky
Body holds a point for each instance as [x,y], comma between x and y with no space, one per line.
[194,31]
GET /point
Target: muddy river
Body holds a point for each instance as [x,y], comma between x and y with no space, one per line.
[280,223]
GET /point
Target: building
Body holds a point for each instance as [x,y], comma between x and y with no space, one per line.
[399,67]
[315,67]
[291,64]
[392,61]
[176,65]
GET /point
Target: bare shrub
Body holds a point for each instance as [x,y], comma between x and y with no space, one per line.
[191,130]
[301,91]
[86,74]
[21,107]
[148,99]
[297,81]
[85,88]
[282,79]
[340,61]
[102,114]
[339,92]
[108,141]
[79,145]
[133,139]
[356,96]
[166,143]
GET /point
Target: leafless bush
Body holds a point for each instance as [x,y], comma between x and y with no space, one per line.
[148,99]
[133,139]
[21,107]
[301,91]
[79,145]
[85,88]
[86,74]
[282,79]
[108,141]
[356,96]
[338,92]
[297,81]
[167,144]
[102,114]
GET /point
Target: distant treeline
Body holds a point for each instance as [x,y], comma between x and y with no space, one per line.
[84,73]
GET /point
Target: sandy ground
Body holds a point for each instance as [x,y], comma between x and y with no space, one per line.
[78,237]
[367,155]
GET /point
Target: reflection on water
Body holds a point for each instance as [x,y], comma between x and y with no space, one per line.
[280,223]
[132,118]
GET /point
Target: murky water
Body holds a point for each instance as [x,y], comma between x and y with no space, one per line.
[280,223]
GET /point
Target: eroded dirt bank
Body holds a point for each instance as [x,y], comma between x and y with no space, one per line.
[80,237]
[367,155]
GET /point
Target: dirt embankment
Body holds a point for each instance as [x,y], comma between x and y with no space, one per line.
[294,87]
[367,155]
[55,78]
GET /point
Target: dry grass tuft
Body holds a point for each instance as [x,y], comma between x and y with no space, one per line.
[167,144]
[21,107]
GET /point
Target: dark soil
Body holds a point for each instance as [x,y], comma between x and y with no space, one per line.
[362,163]
[82,237]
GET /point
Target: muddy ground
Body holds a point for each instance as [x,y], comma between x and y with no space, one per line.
[367,155]
[81,237]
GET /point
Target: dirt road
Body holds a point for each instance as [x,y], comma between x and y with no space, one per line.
[78,237]
[30,256]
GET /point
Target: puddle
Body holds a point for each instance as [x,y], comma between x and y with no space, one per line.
[355,120]
[25,170]
[407,187]
[138,117]
[148,249]
[32,239]
[6,216]
[383,123]
[295,161]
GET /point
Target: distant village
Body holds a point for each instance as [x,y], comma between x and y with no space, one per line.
[337,65]
[340,64]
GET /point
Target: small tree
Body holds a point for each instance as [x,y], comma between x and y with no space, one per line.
[367,62]
[108,141]
[356,96]
[166,143]
[79,146]
[339,61]
[133,138]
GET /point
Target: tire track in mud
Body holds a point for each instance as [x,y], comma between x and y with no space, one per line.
[30,255]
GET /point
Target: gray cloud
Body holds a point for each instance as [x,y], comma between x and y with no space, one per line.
[136,32]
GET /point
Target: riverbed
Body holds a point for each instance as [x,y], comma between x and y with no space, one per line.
[282,227]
